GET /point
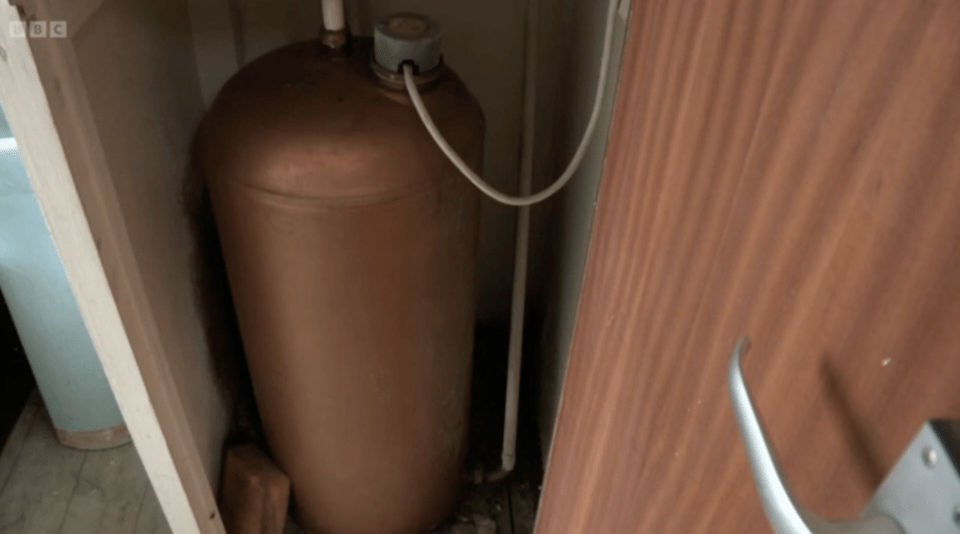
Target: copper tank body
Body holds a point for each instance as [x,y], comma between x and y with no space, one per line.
[350,243]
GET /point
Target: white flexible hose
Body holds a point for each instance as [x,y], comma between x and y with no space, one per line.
[487,189]
[524,201]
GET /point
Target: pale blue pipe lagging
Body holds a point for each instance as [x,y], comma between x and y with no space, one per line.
[65,364]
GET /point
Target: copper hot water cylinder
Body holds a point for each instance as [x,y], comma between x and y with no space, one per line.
[350,243]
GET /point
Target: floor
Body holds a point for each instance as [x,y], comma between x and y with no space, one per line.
[46,488]
[512,504]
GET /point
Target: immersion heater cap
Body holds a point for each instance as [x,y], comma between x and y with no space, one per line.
[407,37]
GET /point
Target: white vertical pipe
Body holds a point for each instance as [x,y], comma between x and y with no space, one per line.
[523,201]
[333,19]
[508,457]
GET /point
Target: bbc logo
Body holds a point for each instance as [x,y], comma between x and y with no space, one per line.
[38,29]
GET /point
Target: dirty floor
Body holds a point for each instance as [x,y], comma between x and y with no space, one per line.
[46,488]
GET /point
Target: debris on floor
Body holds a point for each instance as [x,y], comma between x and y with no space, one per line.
[484,524]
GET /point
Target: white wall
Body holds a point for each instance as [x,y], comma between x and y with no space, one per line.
[148,85]
[570,62]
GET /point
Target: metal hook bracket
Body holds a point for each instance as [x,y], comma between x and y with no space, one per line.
[921,495]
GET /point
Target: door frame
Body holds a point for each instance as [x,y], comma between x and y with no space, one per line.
[43,96]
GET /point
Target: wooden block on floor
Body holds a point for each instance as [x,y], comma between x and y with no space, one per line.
[255,493]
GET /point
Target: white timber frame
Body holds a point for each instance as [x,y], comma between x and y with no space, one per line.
[60,148]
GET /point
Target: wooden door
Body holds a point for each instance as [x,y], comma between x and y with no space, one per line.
[788,170]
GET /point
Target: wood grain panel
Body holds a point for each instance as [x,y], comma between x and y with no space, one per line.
[789,170]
